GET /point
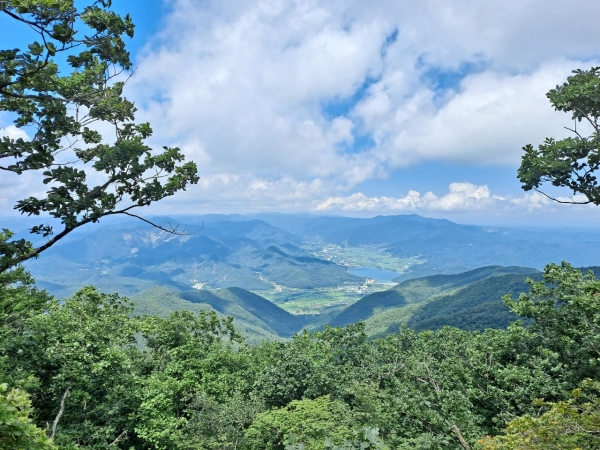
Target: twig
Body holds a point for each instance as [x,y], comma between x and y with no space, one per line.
[173,229]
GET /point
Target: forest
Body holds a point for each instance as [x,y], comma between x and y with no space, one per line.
[89,374]
[89,371]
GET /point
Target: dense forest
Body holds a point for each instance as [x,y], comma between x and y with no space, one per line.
[90,371]
[97,376]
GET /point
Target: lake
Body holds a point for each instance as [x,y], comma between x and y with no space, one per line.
[379,275]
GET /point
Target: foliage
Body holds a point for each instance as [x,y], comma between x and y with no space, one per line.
[189,381]
[571,424]
[362,439]
[190,354]
[572,162]
[215,425]
[20,300]
[307,421]
[80,351]
[565,307]
[63,113]
[17,430]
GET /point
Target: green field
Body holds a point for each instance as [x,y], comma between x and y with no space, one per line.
[320,300]
[363,256]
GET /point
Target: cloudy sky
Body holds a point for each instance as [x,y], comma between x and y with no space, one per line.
[358,108]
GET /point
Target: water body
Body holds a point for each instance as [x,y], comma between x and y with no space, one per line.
[379,275]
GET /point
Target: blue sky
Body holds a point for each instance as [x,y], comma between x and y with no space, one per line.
[345,107]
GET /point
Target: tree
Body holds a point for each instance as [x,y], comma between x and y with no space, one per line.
[573,424]
[189,356]
[572,162]
[309,421]
[20,300]
[17,430]
[82,351]
[565,307]
[62,114]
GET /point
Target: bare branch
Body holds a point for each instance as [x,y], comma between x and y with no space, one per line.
[592,123]
[60,412]
[572,202]
[575,131]
[173,229]
[121,437]
[463,443]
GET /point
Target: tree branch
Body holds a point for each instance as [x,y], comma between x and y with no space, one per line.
[463,443]
[572,202]
[119,438]
[173,229]
[60,412]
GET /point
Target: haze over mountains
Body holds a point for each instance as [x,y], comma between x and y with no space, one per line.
[270,250]
[252,267]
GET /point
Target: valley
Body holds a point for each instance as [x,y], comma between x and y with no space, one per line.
[305,265]
[313,270]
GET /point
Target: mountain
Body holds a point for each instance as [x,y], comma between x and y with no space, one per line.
[250,308]
[161,302]
[447,247]
[131,256]
[419,290]
[300,262]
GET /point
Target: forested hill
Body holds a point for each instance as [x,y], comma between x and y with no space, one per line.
[470,301]
[423,290]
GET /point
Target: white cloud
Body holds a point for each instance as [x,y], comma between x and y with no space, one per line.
[13,132]
[465,202]
[487,122]
[460,197]
[243,84]
[248,194]
[243,88]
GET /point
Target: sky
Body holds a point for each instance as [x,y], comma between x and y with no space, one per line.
[355,108]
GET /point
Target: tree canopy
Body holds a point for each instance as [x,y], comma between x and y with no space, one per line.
[569,163]
[61,90]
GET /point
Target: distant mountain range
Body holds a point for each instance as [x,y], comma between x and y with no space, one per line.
[270,252]
[252,267]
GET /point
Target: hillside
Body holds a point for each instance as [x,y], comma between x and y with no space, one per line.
[250,308]
[470,300]
[419,290]
[255,318]
[474,307]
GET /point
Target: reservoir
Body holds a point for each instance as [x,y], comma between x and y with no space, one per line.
[379,275]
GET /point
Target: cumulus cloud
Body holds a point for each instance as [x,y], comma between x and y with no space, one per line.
[466,203]
[248,194]
[460,197]
[294,104]
[13,132]
[245,85]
